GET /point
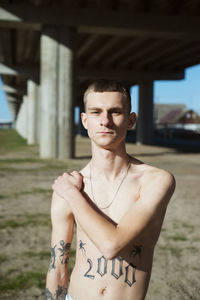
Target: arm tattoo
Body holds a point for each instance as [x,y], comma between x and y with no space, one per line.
[81,247]
[48,295]
[60,294]
[64,252]
[53,258]
[137,250]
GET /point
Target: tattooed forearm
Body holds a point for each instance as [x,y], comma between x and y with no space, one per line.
[64,252]
[53,258]
[48,295]
[60,294]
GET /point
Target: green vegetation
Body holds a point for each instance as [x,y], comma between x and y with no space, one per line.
[33,191]
[11,140]
[178,237]
[22,281]
[186,225]
[192,250]
[28,220]
[26,192]
[173,250]
[2,258]
[41,254]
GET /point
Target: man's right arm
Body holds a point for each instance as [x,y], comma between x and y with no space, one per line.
[62,233]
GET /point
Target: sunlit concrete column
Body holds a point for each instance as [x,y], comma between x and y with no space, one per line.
[13,108]
[32,103]
[66,93]
[145,113]
[81,129]
[38,119]
[48,93]
[22,118]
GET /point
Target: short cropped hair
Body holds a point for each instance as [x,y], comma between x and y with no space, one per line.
[107,85]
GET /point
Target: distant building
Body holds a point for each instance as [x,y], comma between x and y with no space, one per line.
[190,117]
[169,119]
[6,124]
[168,113]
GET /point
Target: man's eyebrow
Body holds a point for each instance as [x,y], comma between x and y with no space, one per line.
[94,108]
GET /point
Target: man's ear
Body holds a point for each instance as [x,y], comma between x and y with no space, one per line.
[84,120]
[132,120]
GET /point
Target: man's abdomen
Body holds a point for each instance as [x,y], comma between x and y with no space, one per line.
[99,278]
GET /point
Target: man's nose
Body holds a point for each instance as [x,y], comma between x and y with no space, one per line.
[106,119]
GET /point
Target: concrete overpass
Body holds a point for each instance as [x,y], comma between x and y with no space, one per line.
[50,50]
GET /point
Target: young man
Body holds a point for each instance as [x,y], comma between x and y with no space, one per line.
[118,204]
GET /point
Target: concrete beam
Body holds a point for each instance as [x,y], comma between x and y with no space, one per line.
[117,23]
[131,76]
[19,71]
[11,99]
[11,90]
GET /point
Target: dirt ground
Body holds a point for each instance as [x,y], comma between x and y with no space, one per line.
[25,193]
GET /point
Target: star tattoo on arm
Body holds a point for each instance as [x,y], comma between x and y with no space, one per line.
[64,252]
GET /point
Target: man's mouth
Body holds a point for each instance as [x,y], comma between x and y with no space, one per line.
[106,132]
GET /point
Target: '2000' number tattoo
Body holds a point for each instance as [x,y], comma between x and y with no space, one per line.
[102,269]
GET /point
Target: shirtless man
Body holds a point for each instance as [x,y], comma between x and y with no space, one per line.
[118,204]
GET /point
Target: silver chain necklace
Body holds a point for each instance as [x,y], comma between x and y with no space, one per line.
[115,195]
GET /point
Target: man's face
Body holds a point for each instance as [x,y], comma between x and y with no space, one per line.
[106,118]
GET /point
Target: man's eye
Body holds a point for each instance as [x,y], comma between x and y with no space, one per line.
[116,112]
[95,112]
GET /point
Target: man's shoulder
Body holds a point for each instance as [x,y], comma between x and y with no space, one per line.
[154,175]
[154,178]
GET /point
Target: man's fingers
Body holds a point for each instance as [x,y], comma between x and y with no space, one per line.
[77,174]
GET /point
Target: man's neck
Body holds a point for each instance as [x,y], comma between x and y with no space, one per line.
[109,162]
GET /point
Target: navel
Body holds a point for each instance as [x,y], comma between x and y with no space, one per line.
[104,290]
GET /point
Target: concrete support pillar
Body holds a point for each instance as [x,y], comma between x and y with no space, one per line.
[38,119]
[57,93]
[82,131]
[66,93]
[49,78]
[145,114]
[32,103]
[22,118]
[13,106]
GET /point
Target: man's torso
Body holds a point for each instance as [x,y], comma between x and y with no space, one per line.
[126,276]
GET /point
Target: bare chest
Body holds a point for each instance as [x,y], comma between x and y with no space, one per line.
[113,201]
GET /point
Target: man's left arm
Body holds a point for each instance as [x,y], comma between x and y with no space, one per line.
[152,203]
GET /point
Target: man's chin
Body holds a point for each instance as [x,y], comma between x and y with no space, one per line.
[108,144]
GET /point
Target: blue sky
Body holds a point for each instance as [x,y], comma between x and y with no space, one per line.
[185,91]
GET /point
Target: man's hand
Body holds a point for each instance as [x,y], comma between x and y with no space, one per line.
[67,182]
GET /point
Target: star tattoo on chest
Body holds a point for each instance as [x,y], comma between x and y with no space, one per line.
[137,250]
[81,247]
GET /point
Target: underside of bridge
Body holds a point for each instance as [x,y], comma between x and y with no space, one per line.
[50,51]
